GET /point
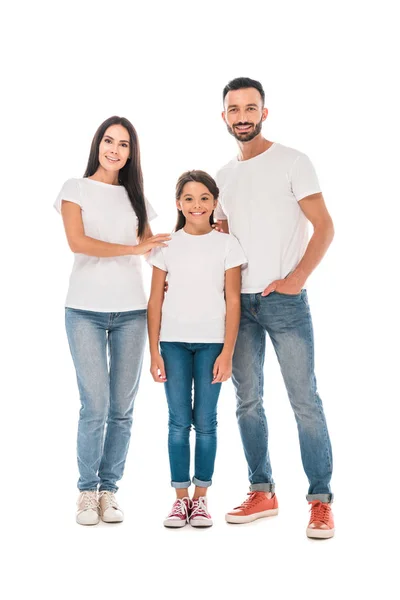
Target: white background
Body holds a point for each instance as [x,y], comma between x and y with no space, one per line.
[329,72]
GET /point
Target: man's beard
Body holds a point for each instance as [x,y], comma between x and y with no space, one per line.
[245,137]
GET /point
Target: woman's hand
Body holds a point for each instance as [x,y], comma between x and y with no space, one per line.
[157,368]
[222,368]
[155,241]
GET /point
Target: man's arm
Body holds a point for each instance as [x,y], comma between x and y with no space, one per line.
[316,212]
[222,226]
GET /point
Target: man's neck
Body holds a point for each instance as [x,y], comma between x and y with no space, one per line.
[253,148]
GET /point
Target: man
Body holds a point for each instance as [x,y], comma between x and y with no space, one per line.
[267,196]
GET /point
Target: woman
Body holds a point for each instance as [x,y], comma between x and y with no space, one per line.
[106,218]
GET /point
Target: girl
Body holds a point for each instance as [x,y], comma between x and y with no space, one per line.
[197,325]
[106,219]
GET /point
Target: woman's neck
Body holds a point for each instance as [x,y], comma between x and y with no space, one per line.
[110,177]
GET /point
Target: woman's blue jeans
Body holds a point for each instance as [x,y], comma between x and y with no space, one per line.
[188,365]
[107,389]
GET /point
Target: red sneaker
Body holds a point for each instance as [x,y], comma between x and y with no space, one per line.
[199,515]
[256,506]
[321,523]
[179,515]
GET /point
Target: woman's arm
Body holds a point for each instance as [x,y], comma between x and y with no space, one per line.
[154,307]
[223,365]
[83,244]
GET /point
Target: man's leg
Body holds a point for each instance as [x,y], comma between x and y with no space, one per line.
[248,380]
[290,328]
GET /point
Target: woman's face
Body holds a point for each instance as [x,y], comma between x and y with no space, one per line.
[114,148]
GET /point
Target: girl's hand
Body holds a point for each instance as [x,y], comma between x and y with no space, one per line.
[155,241]
[157,369]
[222,368]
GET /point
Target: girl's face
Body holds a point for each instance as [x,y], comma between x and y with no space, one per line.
[196,203]
[114,148]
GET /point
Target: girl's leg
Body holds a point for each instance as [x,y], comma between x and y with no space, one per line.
[178,360]
[126,338]
[205,414]
[87,337]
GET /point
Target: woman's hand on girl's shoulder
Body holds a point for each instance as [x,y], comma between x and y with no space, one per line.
[157,368]
[155,241]
[222,368]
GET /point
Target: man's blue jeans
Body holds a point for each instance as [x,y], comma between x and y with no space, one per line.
[186,365]
[107,391]
[287,320]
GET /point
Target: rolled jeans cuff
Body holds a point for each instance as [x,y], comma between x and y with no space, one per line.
[262,487]
[321,497]
[179,485]
[200,483]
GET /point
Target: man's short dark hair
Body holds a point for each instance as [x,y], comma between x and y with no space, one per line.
[243,82]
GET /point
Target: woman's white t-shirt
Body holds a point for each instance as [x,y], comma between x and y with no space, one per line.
[194,306]
[111,284]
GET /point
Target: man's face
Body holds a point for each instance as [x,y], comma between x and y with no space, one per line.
[244,113]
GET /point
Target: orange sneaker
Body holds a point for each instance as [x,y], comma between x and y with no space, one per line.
[321,523]
[256,506]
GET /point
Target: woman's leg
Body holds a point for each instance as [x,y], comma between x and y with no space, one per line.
[86,331]
[126,338]
[178,360]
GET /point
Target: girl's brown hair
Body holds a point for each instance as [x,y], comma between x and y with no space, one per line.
[198,177]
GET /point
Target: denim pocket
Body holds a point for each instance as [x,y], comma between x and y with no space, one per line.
[289,295]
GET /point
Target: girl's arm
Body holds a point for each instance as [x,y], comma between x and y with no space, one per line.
[223,365]
[154,307]
[83,244]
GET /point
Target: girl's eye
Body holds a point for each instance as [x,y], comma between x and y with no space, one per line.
[107,141]
[205,198]
[124,145]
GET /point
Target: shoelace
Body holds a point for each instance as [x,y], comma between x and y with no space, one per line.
[110,499]
[250,500]
[320,512]
[89,500]
[179,508]
[199,509]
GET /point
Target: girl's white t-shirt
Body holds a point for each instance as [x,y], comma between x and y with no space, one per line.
[112,284]
[194,306]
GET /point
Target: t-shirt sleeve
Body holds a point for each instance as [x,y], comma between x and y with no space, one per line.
[304,179]
[151,213]
[71,192]
[157,259]
[234,253]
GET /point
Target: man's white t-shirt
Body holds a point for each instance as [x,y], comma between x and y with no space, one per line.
[194,306]
[112,284]
[259,197]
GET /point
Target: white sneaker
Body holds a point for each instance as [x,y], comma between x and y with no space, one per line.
[110,512]
[87,508]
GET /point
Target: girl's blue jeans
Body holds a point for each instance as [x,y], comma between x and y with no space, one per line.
[190,365]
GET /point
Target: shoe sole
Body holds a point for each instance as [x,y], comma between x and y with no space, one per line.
[201,523]
[88,524]
[111,520]
[320,534]
[174,524]
[249,518]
